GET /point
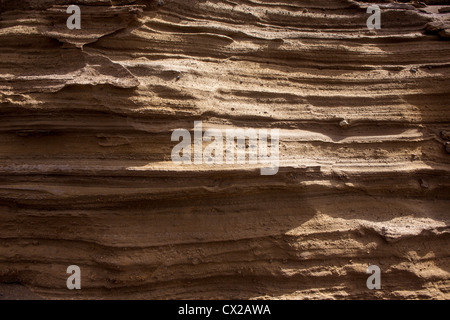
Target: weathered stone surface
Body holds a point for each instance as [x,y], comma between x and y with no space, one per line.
[85,150]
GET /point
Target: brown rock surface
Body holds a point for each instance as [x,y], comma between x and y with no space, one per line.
[86,176]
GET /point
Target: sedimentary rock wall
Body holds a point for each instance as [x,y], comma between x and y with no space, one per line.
[86,176]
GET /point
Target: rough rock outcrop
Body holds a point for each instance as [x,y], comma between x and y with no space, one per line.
[86,176]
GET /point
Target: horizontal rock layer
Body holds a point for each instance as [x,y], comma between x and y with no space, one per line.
[86,176]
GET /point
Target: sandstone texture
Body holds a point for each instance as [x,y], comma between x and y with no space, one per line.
[86,176]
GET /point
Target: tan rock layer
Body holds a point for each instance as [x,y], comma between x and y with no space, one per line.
[86,176]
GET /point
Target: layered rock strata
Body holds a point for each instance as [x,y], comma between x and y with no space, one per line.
[86,176]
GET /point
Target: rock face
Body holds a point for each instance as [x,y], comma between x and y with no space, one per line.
[86,176]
